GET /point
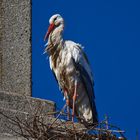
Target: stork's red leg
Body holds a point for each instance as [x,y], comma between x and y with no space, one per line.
[74,99]
[68,103]
[68,109]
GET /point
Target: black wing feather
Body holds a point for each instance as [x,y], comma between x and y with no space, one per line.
[85,78]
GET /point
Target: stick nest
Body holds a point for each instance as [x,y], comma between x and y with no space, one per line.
[51,126]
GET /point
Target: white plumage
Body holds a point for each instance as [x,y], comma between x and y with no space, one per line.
[72,71]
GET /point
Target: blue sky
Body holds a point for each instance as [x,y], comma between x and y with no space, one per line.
[110,32]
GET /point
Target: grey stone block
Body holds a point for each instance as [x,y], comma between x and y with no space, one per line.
[21,106]
[15,46]
[10,137]
[7,126]
[25,103]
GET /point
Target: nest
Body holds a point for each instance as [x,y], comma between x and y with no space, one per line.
[51,126]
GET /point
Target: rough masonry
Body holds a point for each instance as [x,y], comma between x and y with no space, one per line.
[15,46]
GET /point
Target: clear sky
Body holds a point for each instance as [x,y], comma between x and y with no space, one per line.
[110,33]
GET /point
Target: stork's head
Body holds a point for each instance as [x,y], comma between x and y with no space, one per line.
[55,21]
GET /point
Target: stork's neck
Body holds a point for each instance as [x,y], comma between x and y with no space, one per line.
[56,36]
[55,44]
[55,41]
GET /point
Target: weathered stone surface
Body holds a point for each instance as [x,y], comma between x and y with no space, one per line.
[15,46]
[14,105]
[25,103]
[6,126]
[9,127]
[10,137]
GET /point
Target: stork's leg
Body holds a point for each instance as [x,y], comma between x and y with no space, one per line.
[68,109]
[68,103]
[74,99]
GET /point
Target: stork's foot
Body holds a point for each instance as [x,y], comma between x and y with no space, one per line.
[70,125]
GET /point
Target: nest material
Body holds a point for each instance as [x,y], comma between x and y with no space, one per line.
[39,127]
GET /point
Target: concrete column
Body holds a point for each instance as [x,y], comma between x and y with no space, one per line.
[15,66]
[15,46]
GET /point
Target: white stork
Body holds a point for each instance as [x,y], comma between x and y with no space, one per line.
[72,72]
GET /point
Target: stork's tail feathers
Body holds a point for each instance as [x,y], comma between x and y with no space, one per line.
[88,124]
[94,113]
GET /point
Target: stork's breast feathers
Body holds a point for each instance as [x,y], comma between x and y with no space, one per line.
[65,69]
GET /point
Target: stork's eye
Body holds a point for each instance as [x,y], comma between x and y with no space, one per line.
[55,18]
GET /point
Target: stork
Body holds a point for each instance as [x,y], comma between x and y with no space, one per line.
[72,71]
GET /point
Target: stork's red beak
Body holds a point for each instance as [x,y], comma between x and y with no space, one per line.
[51,27]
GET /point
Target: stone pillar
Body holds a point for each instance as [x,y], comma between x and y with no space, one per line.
[15,66]
[15,46]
